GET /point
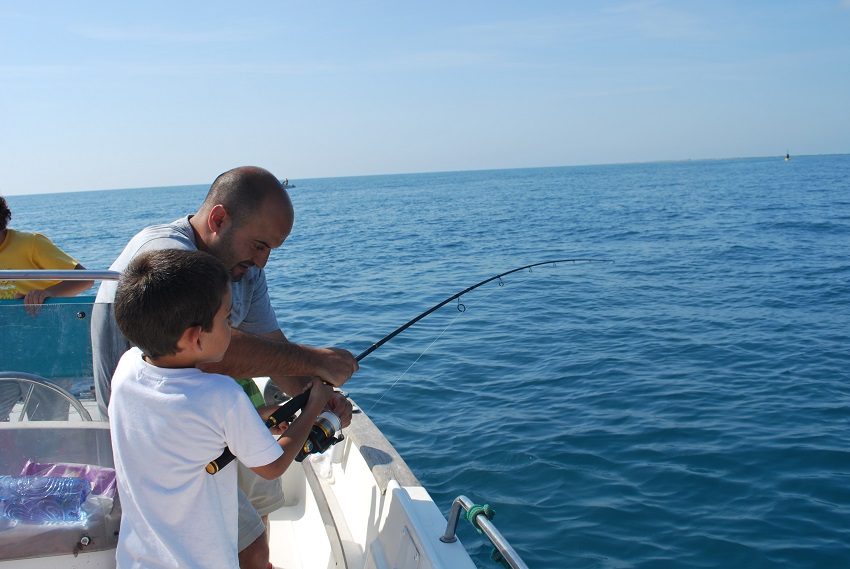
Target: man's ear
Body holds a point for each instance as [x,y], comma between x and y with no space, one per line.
[217,218]
[190,340]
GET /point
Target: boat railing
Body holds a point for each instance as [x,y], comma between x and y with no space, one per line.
[34,381]
[57,275]
[480,517]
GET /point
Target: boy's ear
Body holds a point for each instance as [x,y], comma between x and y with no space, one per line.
[190,340]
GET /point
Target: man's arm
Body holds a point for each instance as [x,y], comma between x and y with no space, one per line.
[290,384]
[273,356]
[293,385]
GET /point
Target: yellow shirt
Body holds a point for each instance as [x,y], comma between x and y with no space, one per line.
[21,250]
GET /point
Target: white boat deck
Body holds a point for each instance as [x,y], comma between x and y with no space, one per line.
[339,511]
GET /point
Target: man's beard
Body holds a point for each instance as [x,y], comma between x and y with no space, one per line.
[224,253]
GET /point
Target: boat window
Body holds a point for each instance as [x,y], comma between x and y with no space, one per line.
[53,345]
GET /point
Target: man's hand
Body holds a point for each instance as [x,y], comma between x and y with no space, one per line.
[336,366]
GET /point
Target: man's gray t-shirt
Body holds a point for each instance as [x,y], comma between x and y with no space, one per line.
[252,310]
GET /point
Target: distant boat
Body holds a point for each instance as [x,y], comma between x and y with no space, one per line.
[787,157]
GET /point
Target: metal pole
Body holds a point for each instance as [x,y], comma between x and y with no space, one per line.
[496,538]
[72,275]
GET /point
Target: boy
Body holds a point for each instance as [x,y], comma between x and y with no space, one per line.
[168,419]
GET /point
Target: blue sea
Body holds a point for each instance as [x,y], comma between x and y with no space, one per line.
[686,405]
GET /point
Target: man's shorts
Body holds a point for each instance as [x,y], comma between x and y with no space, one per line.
[265,495]
[257,497]
[250,524]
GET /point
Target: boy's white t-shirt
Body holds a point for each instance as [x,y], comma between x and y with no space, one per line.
[166,426]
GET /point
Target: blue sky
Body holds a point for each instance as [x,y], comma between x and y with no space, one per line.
[105,95]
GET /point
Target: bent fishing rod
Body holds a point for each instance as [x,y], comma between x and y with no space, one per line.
[288,409]
[461,307]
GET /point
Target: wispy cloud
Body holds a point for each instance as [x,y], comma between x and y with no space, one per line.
[47,71]
[147,34]
[660,20]
[110,70]
[423,60]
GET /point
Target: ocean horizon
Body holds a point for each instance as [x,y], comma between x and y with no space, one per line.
[294,180]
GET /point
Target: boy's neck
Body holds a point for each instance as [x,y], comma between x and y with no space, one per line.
[176,361]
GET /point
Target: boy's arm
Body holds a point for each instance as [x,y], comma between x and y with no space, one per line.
[62,288]
[296,434]
[70,288]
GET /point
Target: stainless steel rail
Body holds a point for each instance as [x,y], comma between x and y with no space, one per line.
[35,380]
[508,553]
[50,275]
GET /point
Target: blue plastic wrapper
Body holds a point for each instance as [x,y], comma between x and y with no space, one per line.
[39,499]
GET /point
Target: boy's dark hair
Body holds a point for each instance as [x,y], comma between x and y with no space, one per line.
[5,214]
[163,293]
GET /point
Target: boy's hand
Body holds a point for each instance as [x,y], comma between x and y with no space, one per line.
[341,407]
[265,412]
[320,393]
[33,300]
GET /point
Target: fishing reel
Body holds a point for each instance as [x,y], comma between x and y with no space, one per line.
[322,435]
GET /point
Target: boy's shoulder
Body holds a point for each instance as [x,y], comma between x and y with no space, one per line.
[133,364]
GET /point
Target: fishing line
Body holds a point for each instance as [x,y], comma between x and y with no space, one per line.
[460,310]
[414,362]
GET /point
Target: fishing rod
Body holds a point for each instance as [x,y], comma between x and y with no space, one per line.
[461,307]
[284,413]
[324,436]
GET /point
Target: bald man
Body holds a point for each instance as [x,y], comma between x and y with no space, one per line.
[247,213]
